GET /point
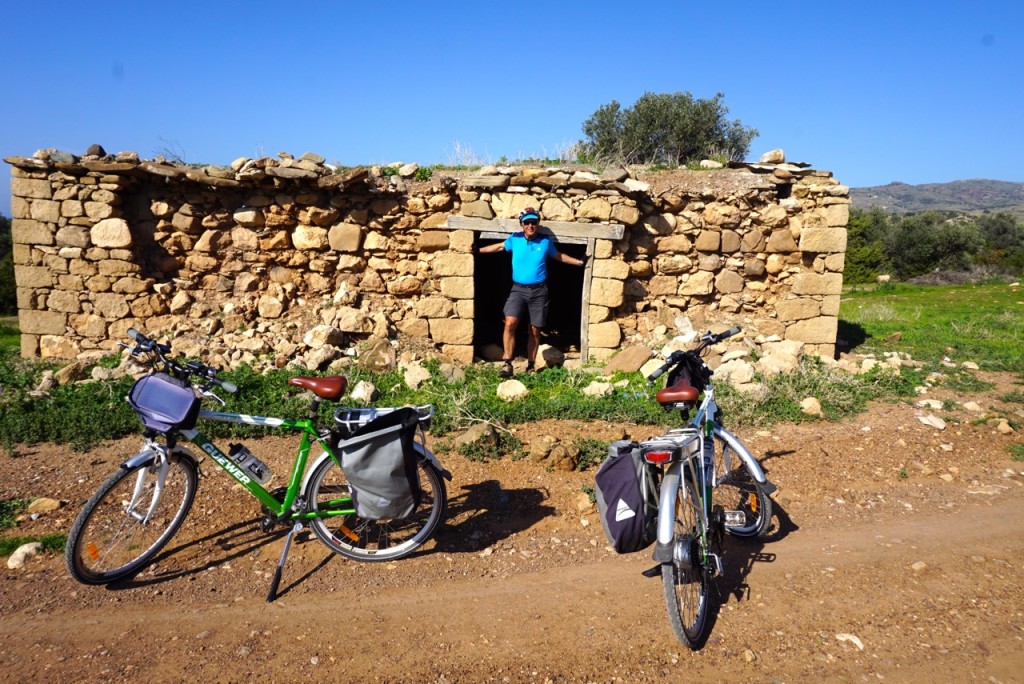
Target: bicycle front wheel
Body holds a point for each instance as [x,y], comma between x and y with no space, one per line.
[129,519]
[687,579]
[737,490]
[360,539]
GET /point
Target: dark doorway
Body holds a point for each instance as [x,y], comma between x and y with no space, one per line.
[492,279]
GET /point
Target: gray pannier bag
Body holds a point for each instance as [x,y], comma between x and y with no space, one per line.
[626,498]
[379,462]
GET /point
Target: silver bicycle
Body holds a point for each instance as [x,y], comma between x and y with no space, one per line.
[710,485]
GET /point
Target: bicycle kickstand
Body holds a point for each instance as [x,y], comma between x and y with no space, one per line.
[297,527]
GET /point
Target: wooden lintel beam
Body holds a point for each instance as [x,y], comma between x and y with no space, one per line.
[568,231]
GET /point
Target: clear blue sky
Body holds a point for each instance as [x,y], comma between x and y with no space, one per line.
[873,91]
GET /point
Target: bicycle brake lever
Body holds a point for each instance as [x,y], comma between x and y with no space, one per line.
[208,393]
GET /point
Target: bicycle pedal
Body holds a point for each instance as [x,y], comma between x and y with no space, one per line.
[716,563]
[735,518]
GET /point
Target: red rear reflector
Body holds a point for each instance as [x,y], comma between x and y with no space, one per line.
[658,456]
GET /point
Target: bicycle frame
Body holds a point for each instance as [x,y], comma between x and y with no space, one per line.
[703,426]
[276,507]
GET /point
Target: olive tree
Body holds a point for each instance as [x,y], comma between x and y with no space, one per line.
[665,128]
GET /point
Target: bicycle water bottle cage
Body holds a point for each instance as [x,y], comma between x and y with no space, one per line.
[330,387]
[680,393]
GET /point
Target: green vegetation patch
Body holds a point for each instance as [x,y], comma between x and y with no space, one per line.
[983,324]
[53,543]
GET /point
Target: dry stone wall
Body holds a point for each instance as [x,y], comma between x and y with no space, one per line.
[289,260]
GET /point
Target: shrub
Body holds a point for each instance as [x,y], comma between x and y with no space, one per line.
[664,128]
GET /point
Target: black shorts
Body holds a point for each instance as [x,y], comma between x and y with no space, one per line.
[533,299]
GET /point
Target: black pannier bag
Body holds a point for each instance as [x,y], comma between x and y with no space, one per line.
[629,517]
[164,403]
[379,462]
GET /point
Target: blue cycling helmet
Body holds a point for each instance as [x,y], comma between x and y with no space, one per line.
[529,214]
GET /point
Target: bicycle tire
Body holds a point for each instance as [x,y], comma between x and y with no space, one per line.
[687,581]
[736,489]
[108,541]
[373,540]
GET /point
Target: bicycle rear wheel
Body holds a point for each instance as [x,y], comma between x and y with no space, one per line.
[687,579]
[129,519]
[373,540]
[737,490]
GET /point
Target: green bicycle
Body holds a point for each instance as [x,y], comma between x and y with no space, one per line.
[137,511]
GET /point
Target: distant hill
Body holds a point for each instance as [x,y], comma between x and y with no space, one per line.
[967,196]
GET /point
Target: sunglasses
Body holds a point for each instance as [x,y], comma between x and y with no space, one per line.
[531,222]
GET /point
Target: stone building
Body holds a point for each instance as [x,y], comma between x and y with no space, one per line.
[291,259]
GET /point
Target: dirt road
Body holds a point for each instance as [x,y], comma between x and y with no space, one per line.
[896,556]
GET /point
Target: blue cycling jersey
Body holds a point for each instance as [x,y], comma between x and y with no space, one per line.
[529,257]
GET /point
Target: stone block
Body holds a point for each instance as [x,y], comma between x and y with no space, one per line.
[729,282]
[58,347]
[457,287]
[72,236]
[345,237]
[699,283]
[821,330]
[708,241]
[781,240]
[662,286]
[797,309]
[309,237]
[33,276]
[607,335]
[459,353]
[611,268]
[452,264]
[606,292]
[461,240]
[110,305]
[111,233]
[823,240]
[41,322]
[29,232]
[594,208]
[451,331]
[432,241]
[64,301]
[45,210]
[837,215]
[817,283]
[97,211]
[31,188]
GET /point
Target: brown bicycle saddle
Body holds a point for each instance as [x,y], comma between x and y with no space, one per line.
[682,391]
[330,387]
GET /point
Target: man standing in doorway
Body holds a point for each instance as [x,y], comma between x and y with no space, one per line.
[530,252]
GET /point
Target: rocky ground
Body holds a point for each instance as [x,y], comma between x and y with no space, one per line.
[894,556]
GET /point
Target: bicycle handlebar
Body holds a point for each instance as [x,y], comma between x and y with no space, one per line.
[187,370]
[706,340]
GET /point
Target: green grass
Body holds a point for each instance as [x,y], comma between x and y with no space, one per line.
[1017,453]
[10,335]
[51,542]
[10,509]
[980,323]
